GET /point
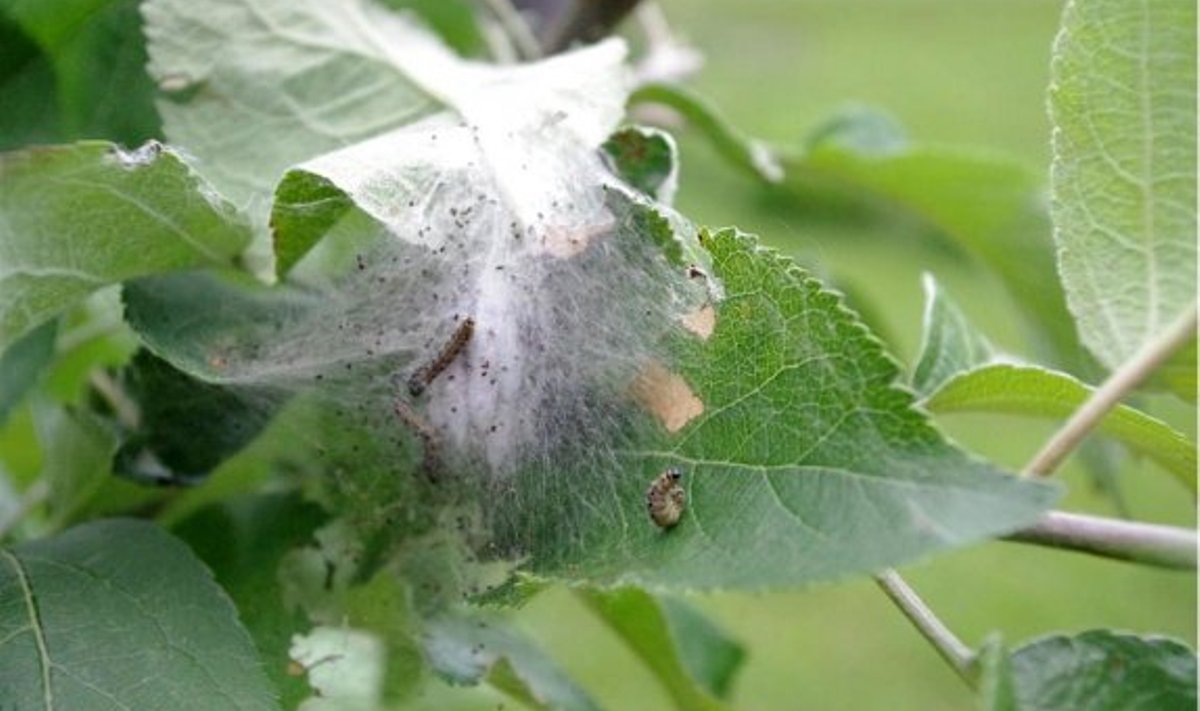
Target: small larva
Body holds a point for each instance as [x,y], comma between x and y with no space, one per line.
[430,459]
[426,374]
[666,499]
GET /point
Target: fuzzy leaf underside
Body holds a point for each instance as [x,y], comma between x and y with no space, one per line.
[1123,176]
[117,614]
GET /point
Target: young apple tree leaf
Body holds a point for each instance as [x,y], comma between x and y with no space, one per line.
[750,155]
[1037,392]
[186,427]
[513,329]
[985,204]
[1123,176]
[667,643]
[286,80]
[1178,375]
[118,614]
[993,669]
[1102,670]
[473,649]
[510,164]
[949,343]
[22,363]
[646,159]
[78,451]
[76,218]
[74,70]
[710,656]
[801,458]
[242,541]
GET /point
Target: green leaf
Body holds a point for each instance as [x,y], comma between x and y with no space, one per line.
[949,343]
[1102,670]
[77,450]
[455,21]
[1123,177]
[22,364]
[751,156]
[243,541]
[210,324]
[665,643]
[433,185]
[77,71]
[997,690]
[382,606]
[76,218]
[1038,392]
[1178,374]
[990,207]
[951,346]
[93,338]
[986,205]
[297,79]
[807,463]
[646,159]
[30,114]
[186,427]
[710,656]
[117,614]
[482,649]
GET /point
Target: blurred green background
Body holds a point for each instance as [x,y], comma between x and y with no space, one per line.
[970,74]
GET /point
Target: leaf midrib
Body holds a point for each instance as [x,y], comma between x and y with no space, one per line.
[35,624]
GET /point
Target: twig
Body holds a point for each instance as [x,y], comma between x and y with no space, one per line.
[1108,395]
[958,655]
[1150,544]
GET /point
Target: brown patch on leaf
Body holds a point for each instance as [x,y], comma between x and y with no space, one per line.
[565,243]
[701,321]
[667,396]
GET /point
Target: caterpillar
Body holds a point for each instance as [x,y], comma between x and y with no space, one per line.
[666,499]
[427,373]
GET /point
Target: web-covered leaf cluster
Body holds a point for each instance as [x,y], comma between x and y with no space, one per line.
[394,331]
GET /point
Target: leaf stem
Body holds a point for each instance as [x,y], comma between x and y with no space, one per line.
[1109,395]
[743,152]
[1150,544]
[958,655]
